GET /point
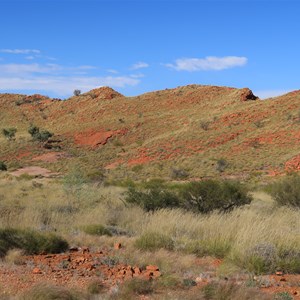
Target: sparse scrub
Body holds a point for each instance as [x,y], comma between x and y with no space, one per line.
[287,191]
[30,241]
[37,135]
[151,199]
[179,173]
[3,166]
[221,165]
[9,133]
[205,125]
[206,196]
[76,92]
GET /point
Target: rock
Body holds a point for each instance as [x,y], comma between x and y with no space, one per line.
[247,95]
[117,246]
[36,271]
[85,250]
[152,268]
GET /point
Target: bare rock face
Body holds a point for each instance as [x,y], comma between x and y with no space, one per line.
[247,94]
[105,93]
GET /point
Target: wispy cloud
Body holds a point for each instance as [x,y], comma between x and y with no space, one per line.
[64,86]
[139,65]
[57,79]
[139,75]
[20,51]
[208,63]
[28,68]
[112,71]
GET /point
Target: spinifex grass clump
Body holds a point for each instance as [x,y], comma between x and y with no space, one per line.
[30,241]
[96,229]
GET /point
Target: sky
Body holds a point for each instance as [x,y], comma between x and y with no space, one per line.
[53,47]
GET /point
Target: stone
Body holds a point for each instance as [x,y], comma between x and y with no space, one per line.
[36,271]
[117,246]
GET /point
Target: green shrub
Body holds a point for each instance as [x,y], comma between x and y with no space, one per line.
[3,166]
[283,296]
[9,133]
[31,242]
[210,195]
[152,199]
[151,241]
[37,135]
[96,229]
[287,191]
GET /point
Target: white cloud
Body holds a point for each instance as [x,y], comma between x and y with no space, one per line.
[208,63]
[139,65]
[139,75]
[28,68]
[264,94]
[112,71]
[57,79]
[64,85]
[20,51]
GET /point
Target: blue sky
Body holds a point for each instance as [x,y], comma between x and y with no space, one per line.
[55,46]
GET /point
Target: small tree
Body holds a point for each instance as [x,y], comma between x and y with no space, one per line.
[9,133]
[77,92]
[210,195]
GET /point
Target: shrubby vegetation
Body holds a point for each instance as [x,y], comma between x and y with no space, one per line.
[287,191]
[207,196]
[37,135]
[3,166]
[9,133]
[203,197]
[32,242]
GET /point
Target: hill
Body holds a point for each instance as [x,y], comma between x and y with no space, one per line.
[192,131]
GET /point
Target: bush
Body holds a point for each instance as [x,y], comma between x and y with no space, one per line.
[96,229]
[30,241]
[37,135]
[151,241]
[221,165]
[206,196]
[3,166]
[9,133]
[77,92]
[287,191]
[153,198]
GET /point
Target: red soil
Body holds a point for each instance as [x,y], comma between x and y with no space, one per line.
[96,138]
[293,164]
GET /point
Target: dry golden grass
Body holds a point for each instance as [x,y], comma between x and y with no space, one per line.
[233,235]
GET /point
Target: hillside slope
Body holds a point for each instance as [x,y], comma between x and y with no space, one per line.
[195,130]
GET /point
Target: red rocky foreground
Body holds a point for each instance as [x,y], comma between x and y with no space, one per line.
[77,268]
